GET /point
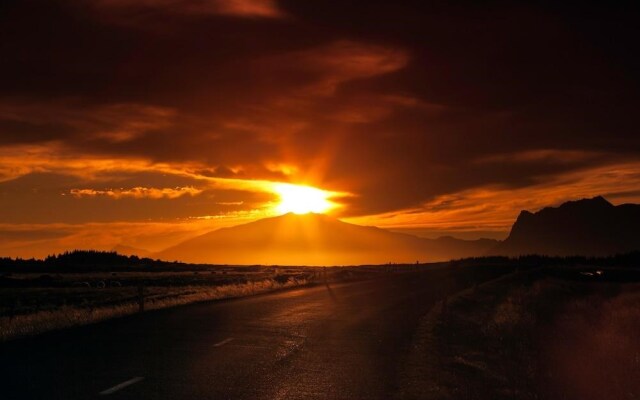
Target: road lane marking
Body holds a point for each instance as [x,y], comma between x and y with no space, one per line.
[223,342]
[121,386]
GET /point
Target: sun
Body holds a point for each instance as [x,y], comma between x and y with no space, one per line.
[299,199]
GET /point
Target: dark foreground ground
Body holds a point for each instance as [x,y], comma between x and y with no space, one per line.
[340,341]
[568,333]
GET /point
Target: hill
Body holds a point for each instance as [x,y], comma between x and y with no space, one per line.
[588,227]
[314,239]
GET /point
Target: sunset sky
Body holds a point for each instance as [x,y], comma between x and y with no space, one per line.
[144,122]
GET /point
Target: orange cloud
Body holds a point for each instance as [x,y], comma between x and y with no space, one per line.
[249,8]
[237,8]
[496,207]
[138,193]
[20,160]
[113,123]
[372,107]
[542,155]
[339,62]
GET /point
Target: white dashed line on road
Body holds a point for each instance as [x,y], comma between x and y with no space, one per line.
[121,386]
[223,342]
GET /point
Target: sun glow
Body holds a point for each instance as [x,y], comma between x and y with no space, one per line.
[300,199]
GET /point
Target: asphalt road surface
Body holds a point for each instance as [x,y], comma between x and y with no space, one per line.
[343,341]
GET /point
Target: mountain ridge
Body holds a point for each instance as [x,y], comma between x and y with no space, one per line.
[589,227]
[316,239]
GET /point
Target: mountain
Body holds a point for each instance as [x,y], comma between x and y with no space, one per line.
[590,227]
[314,239]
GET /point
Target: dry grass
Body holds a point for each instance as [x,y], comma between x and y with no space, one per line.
[529,336]
[69,316]
[450,358]
[594,352]
[32,303]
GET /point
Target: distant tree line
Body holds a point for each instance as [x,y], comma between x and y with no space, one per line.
[92,261]
[626,260]
[86,261]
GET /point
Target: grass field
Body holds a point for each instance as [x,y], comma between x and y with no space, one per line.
[32,303]
[541,334]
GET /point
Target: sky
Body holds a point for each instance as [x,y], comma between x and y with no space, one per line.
[145,122]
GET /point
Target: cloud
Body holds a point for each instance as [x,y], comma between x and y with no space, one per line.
[552,156]
[138,193]
[335,63]
[26,120]
[55,158]
[236,8]
[176,197]
[496,207]
[250,8]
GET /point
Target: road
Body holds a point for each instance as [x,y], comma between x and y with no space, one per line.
[343,341]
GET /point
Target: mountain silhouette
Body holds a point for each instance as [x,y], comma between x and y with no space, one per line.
[589,227]
[315,239]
